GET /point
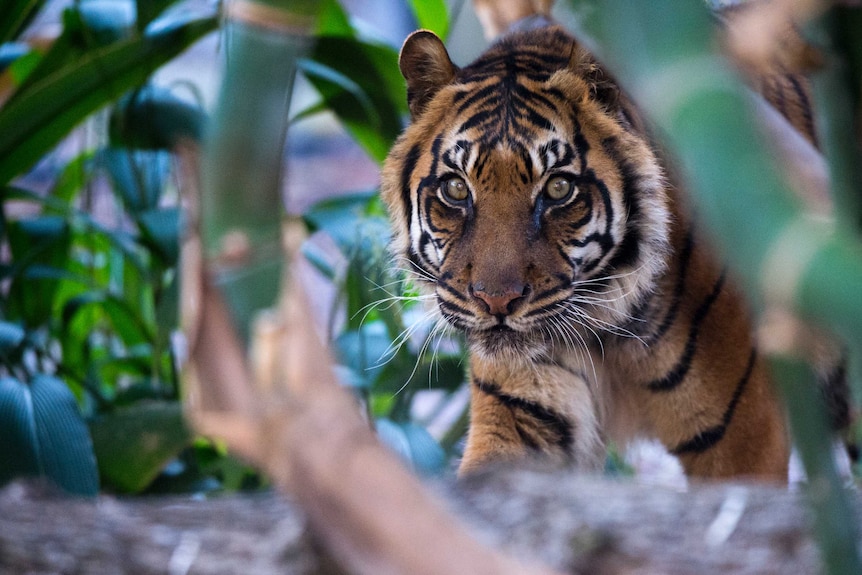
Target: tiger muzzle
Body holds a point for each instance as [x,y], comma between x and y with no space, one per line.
[501,301]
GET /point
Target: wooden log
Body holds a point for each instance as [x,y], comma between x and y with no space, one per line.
[573,523]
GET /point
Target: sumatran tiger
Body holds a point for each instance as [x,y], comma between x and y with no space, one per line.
[528,197]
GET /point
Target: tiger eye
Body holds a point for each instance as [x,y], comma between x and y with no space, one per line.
[558,188]
[454,189]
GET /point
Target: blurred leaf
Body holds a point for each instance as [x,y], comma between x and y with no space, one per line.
[321,261]
[135,363]
[374,68]
[154,118]
[12,52]
[338,216]
[11,336]
[308,111]
[431,15]
[365,351]
[161,231]
[32,125]
[40,250]
[43,433]
[17,433]
[349,377]
[148,10]
[73,177]
[337,88]
[243,163]
[74,42]
[414,444]
[834,523]
[437,371]
[125,319]
[16,15]
[138,176]
[333,20]
[108,20]
[133,444]
[167,311]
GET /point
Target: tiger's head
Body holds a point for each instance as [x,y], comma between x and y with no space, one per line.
[524,195]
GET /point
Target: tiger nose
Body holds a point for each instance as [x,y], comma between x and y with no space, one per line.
[500,302]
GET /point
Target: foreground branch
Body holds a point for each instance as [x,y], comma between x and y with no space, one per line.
[576,524]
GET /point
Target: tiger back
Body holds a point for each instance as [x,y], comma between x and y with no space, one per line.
[527,196]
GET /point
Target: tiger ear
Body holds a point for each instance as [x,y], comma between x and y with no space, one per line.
[426,66]
[602,86]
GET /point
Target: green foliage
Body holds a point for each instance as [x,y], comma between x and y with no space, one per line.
[53,101]
[87,310]
[384,349]
[431,15]
[358,80]
[42,433]
[135,443]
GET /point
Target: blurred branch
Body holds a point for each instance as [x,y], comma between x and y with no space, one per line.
[283,409]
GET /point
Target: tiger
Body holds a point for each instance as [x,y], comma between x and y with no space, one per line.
[528,197]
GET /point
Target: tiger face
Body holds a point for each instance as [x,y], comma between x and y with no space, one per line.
[522,195]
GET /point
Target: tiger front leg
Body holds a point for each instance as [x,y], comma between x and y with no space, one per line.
[538,411]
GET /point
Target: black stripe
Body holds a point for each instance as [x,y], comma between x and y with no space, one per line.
[406,195]
[549,421]
[673,309]
[836,394]
[442,283]
[475,96]
[805,108]
[680,370]
[707,438]
[629,250]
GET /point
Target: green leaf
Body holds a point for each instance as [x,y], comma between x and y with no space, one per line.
[30,126]
[126,321]
[349,377]
[309,111]
[73,44]
[374,68]
[138,176]
[17,432]
[16,15]
[414,444]
[365,351]
[40,252]
[73,177]
[333,20]
[11,336]
[438,371]
[154,118]
[431,15]
[161,232]
[167,311]
[149,10]
[42,432]
[11,53]
[333,84]
[317,257]
[108,20]
[134,444]
[336,216]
